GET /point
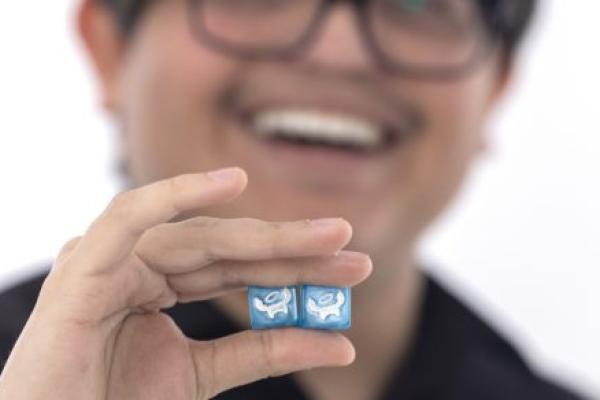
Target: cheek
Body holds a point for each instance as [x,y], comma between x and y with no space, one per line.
[441,157]
[170,108]
[456,115]
[449,147]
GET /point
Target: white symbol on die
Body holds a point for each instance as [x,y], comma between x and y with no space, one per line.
[323,307]
[273,309]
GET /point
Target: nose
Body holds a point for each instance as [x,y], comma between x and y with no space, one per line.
[338,44]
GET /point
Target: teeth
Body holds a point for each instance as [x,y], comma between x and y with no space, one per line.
[334,129]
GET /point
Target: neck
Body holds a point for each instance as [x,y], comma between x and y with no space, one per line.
[384,317]
[385,314]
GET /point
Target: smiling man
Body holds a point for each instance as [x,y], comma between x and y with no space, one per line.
[372,111]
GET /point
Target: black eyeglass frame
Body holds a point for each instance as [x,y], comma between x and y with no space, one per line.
[495,26]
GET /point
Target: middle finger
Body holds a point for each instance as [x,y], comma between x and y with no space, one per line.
[182,247]
[345,269]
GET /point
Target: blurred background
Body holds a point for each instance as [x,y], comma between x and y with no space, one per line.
[521,243]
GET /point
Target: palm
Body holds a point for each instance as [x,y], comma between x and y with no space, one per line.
[152,360]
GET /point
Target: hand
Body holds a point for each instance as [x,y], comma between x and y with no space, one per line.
[97,332]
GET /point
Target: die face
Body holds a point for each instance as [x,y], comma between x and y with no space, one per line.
[272,307]
[326,307]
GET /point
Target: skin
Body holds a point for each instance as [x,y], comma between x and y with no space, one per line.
[177,234]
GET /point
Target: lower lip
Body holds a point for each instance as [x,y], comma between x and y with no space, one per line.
[318,158]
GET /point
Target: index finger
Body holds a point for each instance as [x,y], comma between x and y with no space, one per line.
[113,234]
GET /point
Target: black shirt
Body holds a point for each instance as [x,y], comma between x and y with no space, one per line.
[456,355]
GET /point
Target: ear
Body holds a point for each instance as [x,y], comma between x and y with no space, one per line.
[102,39]
[505,77]
[501,85]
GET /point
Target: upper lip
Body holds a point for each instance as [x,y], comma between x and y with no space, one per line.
[397,118]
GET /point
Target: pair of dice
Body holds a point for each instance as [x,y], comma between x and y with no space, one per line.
[317,307]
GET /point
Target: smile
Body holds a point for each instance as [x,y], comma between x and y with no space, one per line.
[325,133]
[317,128]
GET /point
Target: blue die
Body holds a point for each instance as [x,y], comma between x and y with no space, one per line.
[272,307]
[325,307]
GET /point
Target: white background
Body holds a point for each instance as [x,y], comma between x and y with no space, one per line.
[522,242]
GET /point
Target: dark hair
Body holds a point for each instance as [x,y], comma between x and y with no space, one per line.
[510,18]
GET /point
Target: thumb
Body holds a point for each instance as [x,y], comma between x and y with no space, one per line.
[253,355]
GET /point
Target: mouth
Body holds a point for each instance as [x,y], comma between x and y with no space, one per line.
[313,128]
[325,132]
[339,129]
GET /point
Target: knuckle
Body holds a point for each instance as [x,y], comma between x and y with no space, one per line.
[267,237]
[216,238]
[209,255]
[230,277]
[201,224]
[276,229]
[303,273]
[122,212]
[121,205]
[69,245]
[210,386]
[176,186]
[206,370]
[176,183]
[67,249]
[269,352]
[250,223]
[276,239]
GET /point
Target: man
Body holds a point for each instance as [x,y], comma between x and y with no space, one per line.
[371,111]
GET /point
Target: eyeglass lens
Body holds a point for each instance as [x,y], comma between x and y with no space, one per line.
[431,33]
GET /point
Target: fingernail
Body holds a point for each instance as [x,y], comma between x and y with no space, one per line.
[223,175]
[325,222]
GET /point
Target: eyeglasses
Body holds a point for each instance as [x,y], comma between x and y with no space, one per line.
[419,38]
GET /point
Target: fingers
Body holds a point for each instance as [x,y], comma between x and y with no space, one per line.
[253,355]
[113,234]
[189,245]
[345,269]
